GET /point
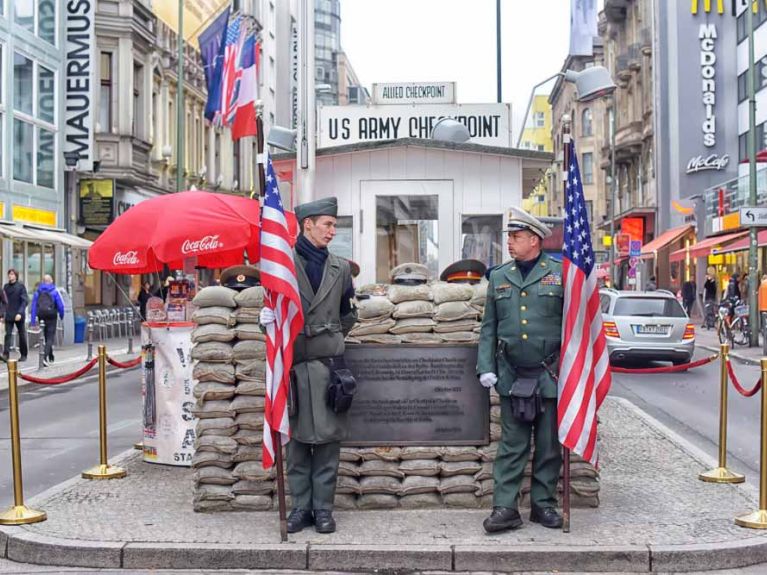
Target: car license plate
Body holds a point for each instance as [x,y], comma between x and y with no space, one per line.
[741,310]
[652,329]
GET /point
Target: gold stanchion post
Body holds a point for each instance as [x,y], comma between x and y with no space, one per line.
[103,470]
[758,519]
[721,474]
[19,514]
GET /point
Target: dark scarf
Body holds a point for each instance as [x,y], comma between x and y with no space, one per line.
[315,260]
[525,267]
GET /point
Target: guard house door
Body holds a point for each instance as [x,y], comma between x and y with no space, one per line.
[405,221]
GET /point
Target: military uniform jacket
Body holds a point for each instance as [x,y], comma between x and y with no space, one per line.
[322,337]
[526,316]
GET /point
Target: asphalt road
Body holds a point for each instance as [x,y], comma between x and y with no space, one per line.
[60,430]
[688,403]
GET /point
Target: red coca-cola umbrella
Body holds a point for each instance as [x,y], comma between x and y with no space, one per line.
[214,230]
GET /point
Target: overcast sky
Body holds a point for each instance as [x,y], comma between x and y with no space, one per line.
[454,40]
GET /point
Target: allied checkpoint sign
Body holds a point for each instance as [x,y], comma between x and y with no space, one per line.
[417,395]
[488,124]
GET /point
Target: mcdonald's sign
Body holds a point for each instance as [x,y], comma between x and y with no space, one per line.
[717,6]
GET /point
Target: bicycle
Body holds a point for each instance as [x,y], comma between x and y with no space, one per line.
[732,324]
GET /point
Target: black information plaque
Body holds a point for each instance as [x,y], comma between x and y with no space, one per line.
[417,395]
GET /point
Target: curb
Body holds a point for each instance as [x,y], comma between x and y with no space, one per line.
[734,354]
[22,545]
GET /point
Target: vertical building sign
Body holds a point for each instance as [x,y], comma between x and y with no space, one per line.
[79,80]
[293,73]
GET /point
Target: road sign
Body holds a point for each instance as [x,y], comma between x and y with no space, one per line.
[753,217]
[635,248]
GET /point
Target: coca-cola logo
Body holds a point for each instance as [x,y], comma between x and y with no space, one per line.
[125,259]
[205,244]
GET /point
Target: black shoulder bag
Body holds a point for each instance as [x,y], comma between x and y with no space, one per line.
[342,385]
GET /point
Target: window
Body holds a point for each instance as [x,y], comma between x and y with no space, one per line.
[34,263]
[37,17]
[45,158]
[342,243]
[587,168]
[742,87]
[236,166]
[138,104]
[24,14]
[539,119]
[105,94]
[586,124]
[46,99]
[23,145]
[482,239]
[541,148]
[648,307]
[23,73]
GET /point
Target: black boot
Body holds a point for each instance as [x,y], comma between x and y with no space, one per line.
[546,516]
[323,521]
[298,519]
[502,519]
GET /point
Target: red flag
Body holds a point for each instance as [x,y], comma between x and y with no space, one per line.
[278,276]
[584,375]
[244,123]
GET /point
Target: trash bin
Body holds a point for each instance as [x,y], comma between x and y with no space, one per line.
[80,323]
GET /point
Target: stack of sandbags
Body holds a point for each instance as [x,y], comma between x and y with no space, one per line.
[454,313]
[230,384]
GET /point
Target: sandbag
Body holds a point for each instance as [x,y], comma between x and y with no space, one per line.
[213,492]
[251,388]
[212,332]
[210,506]
[208,390]
[454,311]
[451,468]
[250,297]
[485,472]
[400,293]
[246,331]
[444,292]
[252,421]
[420,501]
[214,476]
[413,325]
[460,454]
[246,487]
[383,338]
[247,315]
[247,453]
[345,501]
[352,340]
[253,471]
[380,467]
[252,370]
[369,328]
[372,289]
[348,468]
[346,484]
[218,314]
[249,350]
[218,372]
[248,437]
[215,296]
[223,426]
[457,484]
[460,337]
[422,467]
[382,453]
[374,308]
[417,484]
[484,487]
[379,484]
[248,404]
[252,503]
[215,443]
[461,500]
[211,458]
[455,326]
[480,294]
[416,308]
[349,454]
[495,430]
[212,409]
[427,452]
[421,338]
[213,352]
[377,501]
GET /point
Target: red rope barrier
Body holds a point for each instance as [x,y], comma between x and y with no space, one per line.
[132,363]
[669,369]
[62,378]
[739,388]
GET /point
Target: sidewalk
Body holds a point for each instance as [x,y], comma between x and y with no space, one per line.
[655,515]
[707,339]
[69,359]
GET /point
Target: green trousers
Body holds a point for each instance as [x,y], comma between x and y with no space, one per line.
[514,451]
[312,472]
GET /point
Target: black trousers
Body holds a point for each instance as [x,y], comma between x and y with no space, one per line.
[50,335]
[9,323]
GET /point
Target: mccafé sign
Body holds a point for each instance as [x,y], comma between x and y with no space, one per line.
[717,6]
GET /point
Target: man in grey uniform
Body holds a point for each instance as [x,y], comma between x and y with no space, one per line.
[325,284]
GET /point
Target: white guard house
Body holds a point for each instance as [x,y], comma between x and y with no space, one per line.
[419,200]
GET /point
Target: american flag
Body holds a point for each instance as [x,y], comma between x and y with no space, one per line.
[584,376]
[278,277]
[231,71]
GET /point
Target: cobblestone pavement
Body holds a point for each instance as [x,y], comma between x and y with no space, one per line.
[650,495]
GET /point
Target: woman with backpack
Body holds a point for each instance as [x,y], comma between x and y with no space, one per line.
[48,306]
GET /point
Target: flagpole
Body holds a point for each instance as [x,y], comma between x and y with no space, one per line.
[276,435]
[565,450]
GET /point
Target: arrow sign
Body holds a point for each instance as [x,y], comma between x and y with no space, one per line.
[756,217]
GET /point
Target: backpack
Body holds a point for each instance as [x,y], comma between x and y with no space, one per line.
[46,307]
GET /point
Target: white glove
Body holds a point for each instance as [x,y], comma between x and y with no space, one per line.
[488,380]
[266,316]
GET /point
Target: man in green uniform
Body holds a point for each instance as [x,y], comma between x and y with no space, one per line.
[520,338]
[325,284]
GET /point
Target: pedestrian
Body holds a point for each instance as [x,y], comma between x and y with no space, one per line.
[47,306]
[17,298]
[651,284]
[688,296]
[743,286]
[143,297]
[732,292]
[519,347]
[709,298]
[325,284]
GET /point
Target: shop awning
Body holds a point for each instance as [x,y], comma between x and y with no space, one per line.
[705,247]
[29,233]
[742,243]
[666,238]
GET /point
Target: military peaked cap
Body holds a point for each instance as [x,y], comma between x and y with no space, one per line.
[321,207]
[410,274]
[464,271]
[520,220]
[240,277]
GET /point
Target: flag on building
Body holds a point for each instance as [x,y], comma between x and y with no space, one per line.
[583,27]
[584,374]
[244,123]
[211,42]
[231,71]
[278,277]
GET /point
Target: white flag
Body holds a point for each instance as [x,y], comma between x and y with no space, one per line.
[583,27]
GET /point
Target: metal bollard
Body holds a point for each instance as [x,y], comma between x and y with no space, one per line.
[41,353]
[130,331]
[90,337]
[721,474]
[18,514]
[121,319]
[758,519]
[103,470]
